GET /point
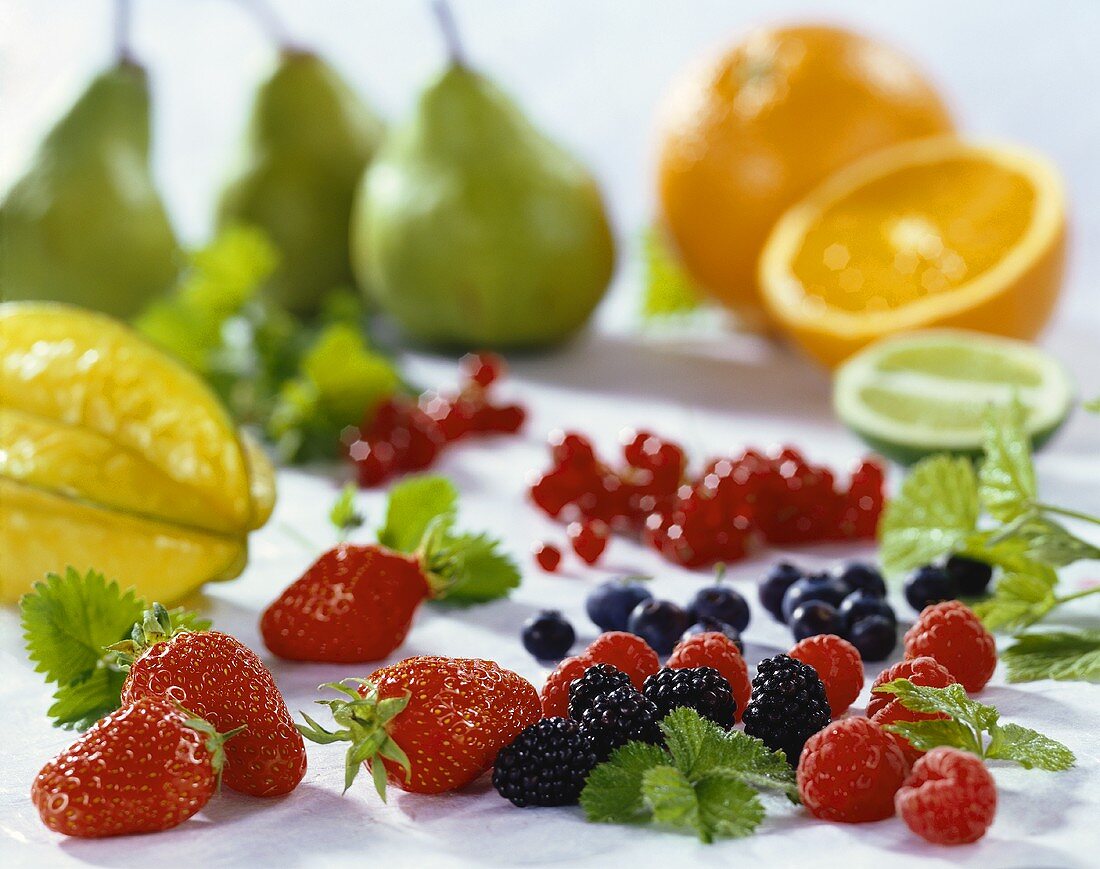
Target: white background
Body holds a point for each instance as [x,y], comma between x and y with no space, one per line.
[590,71]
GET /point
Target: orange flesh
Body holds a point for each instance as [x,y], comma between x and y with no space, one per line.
[924,230]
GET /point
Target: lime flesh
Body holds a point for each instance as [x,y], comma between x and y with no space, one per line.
[927,392]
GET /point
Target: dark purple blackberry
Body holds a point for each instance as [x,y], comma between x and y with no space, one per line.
[598,680]
[622,716]
[703,689]
[788,705]
[546,765]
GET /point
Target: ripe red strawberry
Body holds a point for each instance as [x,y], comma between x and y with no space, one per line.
[101,786]
[357,603]
[222,681]
[428,724]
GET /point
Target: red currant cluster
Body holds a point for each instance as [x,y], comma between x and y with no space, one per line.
[729,509]
[404,435]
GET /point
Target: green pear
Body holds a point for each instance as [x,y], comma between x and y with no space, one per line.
[473,229]
[85,224]
[308,141]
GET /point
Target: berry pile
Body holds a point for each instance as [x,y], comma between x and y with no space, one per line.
[718,516]
[403,435]
[849,602]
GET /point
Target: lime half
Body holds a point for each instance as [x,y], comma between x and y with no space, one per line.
[927,392]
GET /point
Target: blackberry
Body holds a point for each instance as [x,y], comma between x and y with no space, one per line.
[598,680]
[703,689]
[788,705]
[624,715]
[546,765]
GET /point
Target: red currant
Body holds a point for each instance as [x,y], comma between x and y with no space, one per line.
[589,539]
[482,368]
[548,556]
[374,462]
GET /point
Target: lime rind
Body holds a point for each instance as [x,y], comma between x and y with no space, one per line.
[927,392]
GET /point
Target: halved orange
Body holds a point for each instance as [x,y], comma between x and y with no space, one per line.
[936,232]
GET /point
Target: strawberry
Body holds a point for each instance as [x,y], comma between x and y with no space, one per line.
[222,681]
[356,602]
[450,715]
[101,786]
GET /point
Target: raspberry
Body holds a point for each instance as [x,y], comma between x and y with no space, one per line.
[920,671]
[893,712]
[850,772]
[838,664]
[953,635]
[555,693]
[626,652]
[949,797]
[715,649]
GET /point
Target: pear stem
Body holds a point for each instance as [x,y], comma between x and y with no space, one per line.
[446,20]
[269,22]
[123,16]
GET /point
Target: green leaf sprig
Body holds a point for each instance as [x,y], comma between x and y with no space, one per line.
[972,726]
[705,783]
[994,515]
[68,623]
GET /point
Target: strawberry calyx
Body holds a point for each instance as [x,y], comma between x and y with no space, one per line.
[215,742]
[364,721]
[155,627]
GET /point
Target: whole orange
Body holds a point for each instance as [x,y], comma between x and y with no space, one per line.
[747,134]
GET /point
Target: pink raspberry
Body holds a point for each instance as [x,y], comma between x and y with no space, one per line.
[838,664]
[850,772]
[954,636]
[625,652]
[715,649]
[920,671]
[949,798]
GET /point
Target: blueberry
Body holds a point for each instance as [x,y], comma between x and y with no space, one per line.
[660,623]
[775,584]
[609,604]
[707,625]
[970,575]
[874,637]
[820,586]
[815,617]
[859,576]
[860,604]
[927,585]
[722,603]
[548,636]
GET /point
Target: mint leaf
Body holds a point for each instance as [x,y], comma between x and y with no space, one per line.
[1007,476]
[669,289]
[717,804]
[79,705]
[1061,655]
[477,572]
[1029,749]
[699,746]
[613,792]
[973,727]
[1050,542]
[934,513]
[728,807]
[670,796]
[1018,600]
[414,504]
[69,620]
[951,701]
[1093,406]
[188,620]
